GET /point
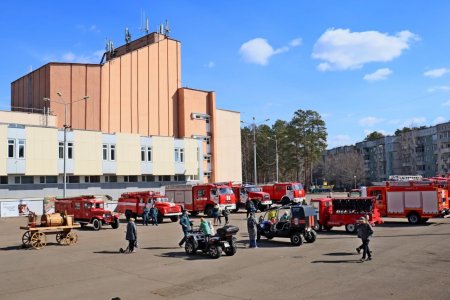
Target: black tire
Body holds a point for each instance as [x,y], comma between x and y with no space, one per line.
[328,228]
[285,201]
[318,227]
[414,218]
[190,248]
[215,251]
[230,251]
[174,218]
[160,218]
[97,224]
[350,228]
[128,215]
[296,239]
[258,237]
[115,224]
[310,236]
[261,207]
[424,220]
[209,211]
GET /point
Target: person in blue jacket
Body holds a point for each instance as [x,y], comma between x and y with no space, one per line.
[154,215]
[185,226]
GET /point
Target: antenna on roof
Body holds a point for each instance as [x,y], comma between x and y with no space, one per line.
[144,23]
[166,29]
[127,35]
[161,28]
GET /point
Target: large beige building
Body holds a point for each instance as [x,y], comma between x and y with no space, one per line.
[137,111]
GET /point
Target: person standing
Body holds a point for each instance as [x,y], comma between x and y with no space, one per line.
[215,213]
[204,227]
[131,235]
[154,215]
[226,213]
[250,207]
[252,230]
[185,226]
[219,214]
[145,215]
[365,233]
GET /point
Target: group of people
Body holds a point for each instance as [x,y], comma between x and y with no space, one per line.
[150,214]
[218,212]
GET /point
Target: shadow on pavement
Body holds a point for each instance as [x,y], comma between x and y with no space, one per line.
[183,255]
[263,243]
[9,248]
[351,261]
[388,224]
[107,252]
[340,253]
[161,248]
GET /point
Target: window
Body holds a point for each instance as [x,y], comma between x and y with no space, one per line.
[11,148]
[180,178]
[77,205]
[3,179]
[73,179]
[112,152]
[51,179]
[142,153]
[111,178]
[179,155]
[201,193]
[148,178]
[69,150]
[132,178]
[92,179]
[61,150]
[24,180]
[17,180]
[105,152]
[21,149]
[164,178]
[149,153]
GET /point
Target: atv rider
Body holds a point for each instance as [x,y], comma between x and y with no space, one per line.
[204,227]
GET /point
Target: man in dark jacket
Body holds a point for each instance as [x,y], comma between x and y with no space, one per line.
[154,215]
[131,235]
[185,226]
[250,207]
[365,234]
[145,215]
[252,230]
[226,213]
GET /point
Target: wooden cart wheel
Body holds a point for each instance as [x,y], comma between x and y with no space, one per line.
[61,238]
[38,240]
[71,238]
[26,237]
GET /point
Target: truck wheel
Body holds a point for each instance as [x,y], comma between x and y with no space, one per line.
[174,218]
[190,248]
[285,201]
[310,236]
[115,224]
[209,211]
[215,251]
[424,220]
[160,218]
[296,239]
[261,207]
[236,209]
[414,218]
[318,227]
[97,224]
[350,228]
[327,228]
[230,251]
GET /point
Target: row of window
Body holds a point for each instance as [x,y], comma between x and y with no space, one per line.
[90,179]
[16,149]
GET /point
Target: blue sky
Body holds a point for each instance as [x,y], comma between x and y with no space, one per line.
[364,65]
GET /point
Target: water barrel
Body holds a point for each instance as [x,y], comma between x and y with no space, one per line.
[50,220]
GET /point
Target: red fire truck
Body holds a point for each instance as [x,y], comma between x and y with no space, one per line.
[133,204]
[345,211]
[88,209]
[202,198]
[416,200]
[285,192]
[260,199]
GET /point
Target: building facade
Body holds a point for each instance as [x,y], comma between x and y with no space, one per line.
[138,127]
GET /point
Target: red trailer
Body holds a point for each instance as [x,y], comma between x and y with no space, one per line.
[202,198]
[345,211]
[285,192]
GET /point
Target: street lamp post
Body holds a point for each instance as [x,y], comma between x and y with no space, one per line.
[276,154]
[254,147]
[66,126]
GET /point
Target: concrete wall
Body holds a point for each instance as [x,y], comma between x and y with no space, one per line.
[87,153]
[163,156]
[191,160]
[228,151]
[128,154]
[24,118]
[3,149]
[41,151]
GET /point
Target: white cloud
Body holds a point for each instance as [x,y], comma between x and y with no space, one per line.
[341,49]
[446,103]
[439,120]
[83,28]
[259,51]
[69,57]
[380,74]
[370,121]
[415,122]
[296,42]
[441,88]
[436,72]
[339,140]
[94,28]
[210,65]
[93,57]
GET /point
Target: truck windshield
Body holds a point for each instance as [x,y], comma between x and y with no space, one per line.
[225,191]
[98,205]
[253,189]
[162,200]
[297,187]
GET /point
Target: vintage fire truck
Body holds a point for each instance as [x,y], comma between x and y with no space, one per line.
[285,192]
[88,209]
[202,198]
[416,200]
[345,211]
[243,192]
[133,204]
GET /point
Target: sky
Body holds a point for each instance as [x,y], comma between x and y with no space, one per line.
[363,65]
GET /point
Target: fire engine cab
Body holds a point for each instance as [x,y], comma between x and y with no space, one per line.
[202,198]
[416,200]
[133,204]
[285,192]
[243,192]
[87,209]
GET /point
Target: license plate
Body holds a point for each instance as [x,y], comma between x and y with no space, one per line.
[226,244]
